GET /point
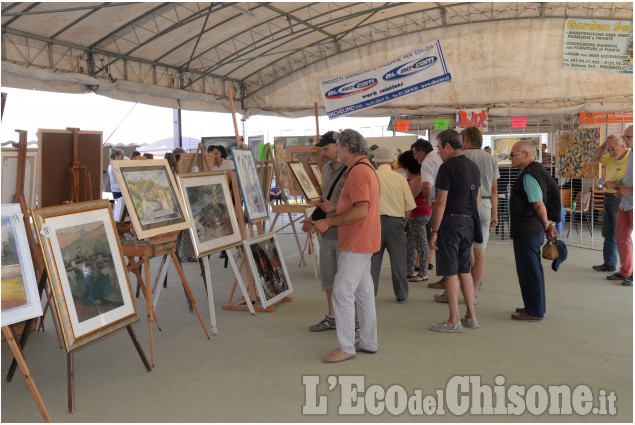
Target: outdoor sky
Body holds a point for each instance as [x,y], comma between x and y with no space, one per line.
[126,122]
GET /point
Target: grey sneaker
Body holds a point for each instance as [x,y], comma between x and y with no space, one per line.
[356,328]
[447,328]
[441,298]
[327,323]
[471,323]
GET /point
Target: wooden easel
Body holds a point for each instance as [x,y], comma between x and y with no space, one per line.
[200,163]
[36,254]
[164,246]
[245,304]
[75,170]
[30,383]
[70,366]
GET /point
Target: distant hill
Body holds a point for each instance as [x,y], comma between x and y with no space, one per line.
[165,145]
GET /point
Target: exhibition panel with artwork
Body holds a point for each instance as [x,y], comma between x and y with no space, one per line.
[210,208]
[20,296]
[268,268]
[86,270]
[255,206]
[151,197]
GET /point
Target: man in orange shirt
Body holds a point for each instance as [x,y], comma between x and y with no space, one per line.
[359,237]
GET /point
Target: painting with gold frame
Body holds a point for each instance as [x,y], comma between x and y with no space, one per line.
[151,196]
[86,271]
[20,295]
[305,182]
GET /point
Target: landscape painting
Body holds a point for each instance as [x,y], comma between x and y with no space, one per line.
[89,269]
[268,268]
[502,146]
[209,204]
[20,296]
[150,194]
[86,270]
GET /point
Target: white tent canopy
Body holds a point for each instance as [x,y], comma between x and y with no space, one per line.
[507,57]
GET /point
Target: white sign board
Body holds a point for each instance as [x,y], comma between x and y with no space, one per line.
[418,70]
[598,45]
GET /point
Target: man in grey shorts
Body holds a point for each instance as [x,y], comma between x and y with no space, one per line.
[488,208]
[329,245]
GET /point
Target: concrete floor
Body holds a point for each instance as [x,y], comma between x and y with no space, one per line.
[252,371]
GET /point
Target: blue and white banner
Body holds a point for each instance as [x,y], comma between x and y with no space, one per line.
[423,68]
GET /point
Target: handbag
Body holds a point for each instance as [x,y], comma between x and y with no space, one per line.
[478,228]
[318,213]
[550,250]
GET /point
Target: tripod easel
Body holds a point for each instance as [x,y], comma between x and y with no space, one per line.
[250,294]
[158,246]
[76,170]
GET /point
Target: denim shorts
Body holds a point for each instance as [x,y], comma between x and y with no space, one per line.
[454,243]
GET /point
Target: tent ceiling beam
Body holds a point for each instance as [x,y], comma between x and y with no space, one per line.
[259,47]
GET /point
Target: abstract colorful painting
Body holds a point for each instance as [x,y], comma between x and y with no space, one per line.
[575,149]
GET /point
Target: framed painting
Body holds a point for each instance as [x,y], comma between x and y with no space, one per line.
[317,173]
[151,197]
[9,178]
[268,268]
[502,146]
[307,186]
[86,270]
[250,187]
[214,226]
[20,295]
[575,151]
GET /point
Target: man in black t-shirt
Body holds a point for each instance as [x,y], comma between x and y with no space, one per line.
[458,194]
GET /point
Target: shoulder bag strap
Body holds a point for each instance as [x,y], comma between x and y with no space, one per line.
[335,183]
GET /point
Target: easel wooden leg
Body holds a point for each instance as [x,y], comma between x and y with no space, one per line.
[23,339]
[49,298]
[163,273]
[149,306]
[30,383]
[210,294]
[241,284]
[137,345]
[188,291]
[70,370]
[297,240]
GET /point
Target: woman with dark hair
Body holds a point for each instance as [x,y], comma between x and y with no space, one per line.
[416,237]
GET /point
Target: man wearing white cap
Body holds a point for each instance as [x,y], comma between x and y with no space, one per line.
[395,205]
